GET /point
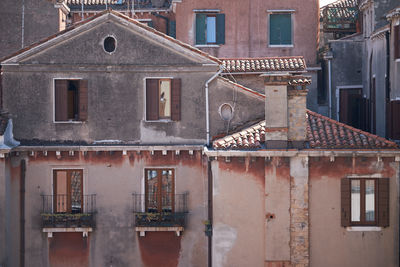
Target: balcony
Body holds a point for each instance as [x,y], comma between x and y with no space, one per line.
[154,212]
[66,213]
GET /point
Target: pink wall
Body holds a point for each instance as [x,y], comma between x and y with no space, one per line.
[246,27]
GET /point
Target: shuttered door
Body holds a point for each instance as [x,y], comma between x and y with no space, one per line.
[395,119]
[172,28]
[345,201]
[83,100]
[61,96]
[220,28]
[201,28]
[176,100]
[396,36]
[383,202]
[151,99]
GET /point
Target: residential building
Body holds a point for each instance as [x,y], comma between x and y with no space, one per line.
[358,69]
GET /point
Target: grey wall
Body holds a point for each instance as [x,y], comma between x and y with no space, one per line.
[40,21]
[346,66]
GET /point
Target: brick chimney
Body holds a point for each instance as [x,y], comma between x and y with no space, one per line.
[285,110]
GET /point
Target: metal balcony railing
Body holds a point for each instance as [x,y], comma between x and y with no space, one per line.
[165,210]
[68,211]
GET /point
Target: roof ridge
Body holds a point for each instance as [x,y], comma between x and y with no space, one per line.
[351,128]
[254,58]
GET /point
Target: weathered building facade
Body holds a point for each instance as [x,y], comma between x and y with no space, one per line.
[130,155]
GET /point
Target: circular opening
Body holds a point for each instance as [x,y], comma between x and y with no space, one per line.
[109,44]
[226,112]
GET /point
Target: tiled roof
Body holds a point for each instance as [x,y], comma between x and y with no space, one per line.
[264,64]
[118,14]
[322,133]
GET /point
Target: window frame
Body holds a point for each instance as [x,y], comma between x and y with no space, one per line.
[277,12]
[145,188]
[54,185]
[145,111]
[77,121]
[363,221]
[218,29]
[381,199]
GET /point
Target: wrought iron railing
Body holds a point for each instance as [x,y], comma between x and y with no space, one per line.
[166,210]
[68,210]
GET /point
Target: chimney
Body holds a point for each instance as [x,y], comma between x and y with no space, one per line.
[285,110]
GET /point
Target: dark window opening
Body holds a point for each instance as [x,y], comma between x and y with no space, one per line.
[71,100]
[109,44]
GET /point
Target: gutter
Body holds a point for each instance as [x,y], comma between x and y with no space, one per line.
[221,68]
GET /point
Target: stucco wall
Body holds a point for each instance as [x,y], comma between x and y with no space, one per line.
[333,245]
[246,27]
[113,178]
[40,21]
[2,212]
[238,212]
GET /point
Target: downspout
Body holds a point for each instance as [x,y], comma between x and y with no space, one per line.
[164,18]
[23,24]
[387,86]
[328,56]
[210,211]
[22,215]
[207,104]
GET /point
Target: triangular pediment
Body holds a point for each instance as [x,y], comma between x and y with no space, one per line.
[135,44]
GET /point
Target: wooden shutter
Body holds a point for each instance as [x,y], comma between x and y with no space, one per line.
[176,99]
[150,24]
[200,28]
[83,100]
[151,99]
[286,29]
[280,27]
[172,28]
[345,201]
[220,28]
[395,119]
[396,35]
[383,202]
[61,97]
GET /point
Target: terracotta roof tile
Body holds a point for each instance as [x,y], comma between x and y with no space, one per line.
[322,133]
[264,64]
[93,2]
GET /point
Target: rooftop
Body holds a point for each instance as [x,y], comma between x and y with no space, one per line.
[322,133]
[265,64]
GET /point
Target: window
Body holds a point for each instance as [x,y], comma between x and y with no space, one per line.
[210,29]
[365,202]
[68,191]
[163,99]
[280,29]
[109,44]
[396,35]
[71,100]
[160,191]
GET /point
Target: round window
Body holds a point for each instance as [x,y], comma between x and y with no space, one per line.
[109,44]
[226,112]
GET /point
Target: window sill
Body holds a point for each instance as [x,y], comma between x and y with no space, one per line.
[142,230]
[364,229]
[162,121]
[207,45]
[281,46]
[65,122]
[397,60]
[83,230]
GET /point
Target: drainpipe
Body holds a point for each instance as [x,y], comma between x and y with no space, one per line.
[328,56]
[23,24]
[22,215]
[210,211]
[207,104]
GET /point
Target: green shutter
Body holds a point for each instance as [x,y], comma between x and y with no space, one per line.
[172,29]
[150,24]
[220,28]
[280,28]
[200,28]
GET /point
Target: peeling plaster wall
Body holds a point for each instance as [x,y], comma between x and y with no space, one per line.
[239,212]
[113,178]
[3,254]
[333,245]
